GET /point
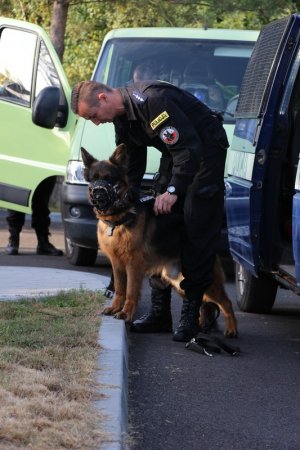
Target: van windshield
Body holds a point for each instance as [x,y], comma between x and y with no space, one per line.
[212,70]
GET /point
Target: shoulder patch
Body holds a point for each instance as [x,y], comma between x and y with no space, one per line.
[141,98]
[159,119]
[169,135]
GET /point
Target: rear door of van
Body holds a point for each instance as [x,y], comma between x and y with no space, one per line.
[262,188]
[29,153]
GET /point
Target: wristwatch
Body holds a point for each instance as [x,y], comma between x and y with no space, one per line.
[171,190]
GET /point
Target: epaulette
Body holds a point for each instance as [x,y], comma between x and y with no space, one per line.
[139,97]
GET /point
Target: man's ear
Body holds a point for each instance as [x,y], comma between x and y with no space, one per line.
[87,158]
[102,96]
[119,157]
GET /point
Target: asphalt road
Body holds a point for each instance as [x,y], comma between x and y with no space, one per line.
[182,400]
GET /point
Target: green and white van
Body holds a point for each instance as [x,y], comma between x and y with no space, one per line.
[38,134]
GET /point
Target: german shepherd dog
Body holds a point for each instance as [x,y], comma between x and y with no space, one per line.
[137,242]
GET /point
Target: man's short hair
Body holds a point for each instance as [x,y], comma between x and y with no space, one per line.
[86,91]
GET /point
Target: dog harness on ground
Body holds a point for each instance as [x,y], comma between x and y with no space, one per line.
[207,345]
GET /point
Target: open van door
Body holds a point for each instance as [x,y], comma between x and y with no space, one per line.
[260,164]
[37,123]
[296,224]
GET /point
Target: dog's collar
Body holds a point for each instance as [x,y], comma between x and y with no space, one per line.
[128,219]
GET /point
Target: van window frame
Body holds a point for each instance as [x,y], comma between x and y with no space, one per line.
[15,99]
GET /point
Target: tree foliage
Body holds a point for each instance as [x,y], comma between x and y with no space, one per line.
[89,20]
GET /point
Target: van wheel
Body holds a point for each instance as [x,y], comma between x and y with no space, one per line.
[80,256]
[255,295]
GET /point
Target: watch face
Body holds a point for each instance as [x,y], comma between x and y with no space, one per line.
[171,189]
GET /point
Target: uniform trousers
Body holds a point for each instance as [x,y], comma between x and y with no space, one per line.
[40,218]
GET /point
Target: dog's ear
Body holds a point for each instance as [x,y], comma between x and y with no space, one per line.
[87,158]
[119,156]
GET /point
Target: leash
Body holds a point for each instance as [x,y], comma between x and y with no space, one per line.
[147,198]
[207,345]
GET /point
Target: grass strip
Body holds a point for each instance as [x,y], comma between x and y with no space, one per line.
[48,353]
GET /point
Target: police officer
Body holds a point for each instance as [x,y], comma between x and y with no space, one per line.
[40,221]
[193,145]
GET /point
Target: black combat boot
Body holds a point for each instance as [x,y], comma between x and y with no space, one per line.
[158,319]
[13,243]
[44,247]
[189,320]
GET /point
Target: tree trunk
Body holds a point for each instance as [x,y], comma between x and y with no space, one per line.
[58,26]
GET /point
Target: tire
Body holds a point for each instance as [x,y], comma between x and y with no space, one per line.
[80,256]
[254,295]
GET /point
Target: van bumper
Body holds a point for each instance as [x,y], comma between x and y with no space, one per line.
[79,220]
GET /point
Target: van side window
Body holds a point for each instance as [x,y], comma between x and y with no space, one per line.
[17,50]
[46,72]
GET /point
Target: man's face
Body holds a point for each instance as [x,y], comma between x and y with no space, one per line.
[101,113]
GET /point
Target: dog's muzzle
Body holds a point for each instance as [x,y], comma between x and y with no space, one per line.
[103,194]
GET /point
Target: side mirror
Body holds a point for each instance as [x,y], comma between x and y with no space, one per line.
[46,111]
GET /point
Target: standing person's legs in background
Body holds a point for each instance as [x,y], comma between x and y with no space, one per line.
[41,217]
[15,220]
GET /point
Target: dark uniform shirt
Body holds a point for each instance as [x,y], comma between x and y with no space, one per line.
[175,122]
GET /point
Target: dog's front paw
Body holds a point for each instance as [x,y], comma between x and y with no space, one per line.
[109,311]
[122,315]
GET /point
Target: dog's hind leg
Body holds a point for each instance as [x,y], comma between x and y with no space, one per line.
[216,293]
[120,292]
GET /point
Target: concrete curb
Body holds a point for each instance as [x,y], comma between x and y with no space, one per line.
[112,367]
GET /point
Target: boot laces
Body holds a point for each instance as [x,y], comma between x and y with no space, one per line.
[145,316]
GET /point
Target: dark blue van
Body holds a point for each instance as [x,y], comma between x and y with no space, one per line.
[263,184]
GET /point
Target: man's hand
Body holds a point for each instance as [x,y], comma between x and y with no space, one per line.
[163,203]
